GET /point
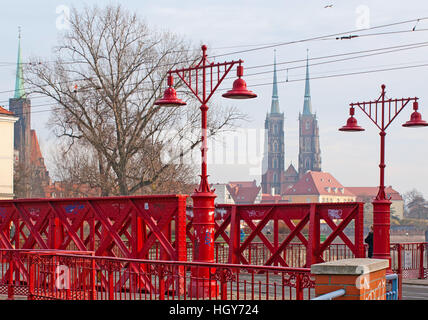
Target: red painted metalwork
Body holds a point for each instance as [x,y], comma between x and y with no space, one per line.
[382,117]
[203,197]
[87,277]
[36,274]
[15,270]
[125,226]
[297,217]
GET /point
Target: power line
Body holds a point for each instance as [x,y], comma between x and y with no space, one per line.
[347,74]
[284,81]
[286,43]
[321,37]
[375,52]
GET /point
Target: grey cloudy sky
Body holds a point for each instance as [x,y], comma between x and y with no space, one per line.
[230,26]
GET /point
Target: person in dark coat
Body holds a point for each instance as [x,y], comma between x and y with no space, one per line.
[369,241]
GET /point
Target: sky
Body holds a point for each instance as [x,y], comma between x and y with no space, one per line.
[230,28]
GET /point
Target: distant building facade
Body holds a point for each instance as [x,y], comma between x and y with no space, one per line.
[367,194]
[245,192]
[318,187]
[222,193]
[7,121]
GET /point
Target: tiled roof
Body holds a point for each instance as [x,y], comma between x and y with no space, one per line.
[243,191]
[291,171]
[36,154]
[318,183]
[4,111]
[364,192]
[269,198]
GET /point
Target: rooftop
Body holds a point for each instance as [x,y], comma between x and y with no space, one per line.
[318,183]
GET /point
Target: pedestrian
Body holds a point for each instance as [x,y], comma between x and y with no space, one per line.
[369,241]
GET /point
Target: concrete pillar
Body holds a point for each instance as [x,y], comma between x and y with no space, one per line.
[362,279]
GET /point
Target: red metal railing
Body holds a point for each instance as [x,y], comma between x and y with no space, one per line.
[125,226]
[35,274]
[410,260]
[57,275]
[303,222]
[15,270]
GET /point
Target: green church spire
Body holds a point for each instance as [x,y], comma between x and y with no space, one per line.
[19,81]
[307,106]
[275,101]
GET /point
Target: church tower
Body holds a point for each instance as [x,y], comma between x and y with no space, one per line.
[21,106]
[31,175]
[309,144]
[274,150]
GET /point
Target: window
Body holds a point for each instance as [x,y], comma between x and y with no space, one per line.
[308,163]
[275,146]
[307,144]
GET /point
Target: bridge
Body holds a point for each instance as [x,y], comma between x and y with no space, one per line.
[146,248]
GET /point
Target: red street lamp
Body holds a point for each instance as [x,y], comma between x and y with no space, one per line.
[203,197]
[382,117]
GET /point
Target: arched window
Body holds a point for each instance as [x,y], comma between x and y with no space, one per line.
[307,144]
[307,163]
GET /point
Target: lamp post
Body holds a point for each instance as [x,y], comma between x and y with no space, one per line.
[211,75]
[382,113]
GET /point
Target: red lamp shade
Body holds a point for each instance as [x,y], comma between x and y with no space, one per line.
[170,99]
[239,89]
[415,119]
[170,96]
[351,124]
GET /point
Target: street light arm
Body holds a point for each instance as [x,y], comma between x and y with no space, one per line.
[404,103]
[185,75]
[368,114]
[226,71]
[189,85]
[392,114]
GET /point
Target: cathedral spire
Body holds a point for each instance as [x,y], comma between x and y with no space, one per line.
[19,81]
[275,101]
[307,107]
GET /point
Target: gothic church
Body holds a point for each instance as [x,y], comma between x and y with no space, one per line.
[275,179]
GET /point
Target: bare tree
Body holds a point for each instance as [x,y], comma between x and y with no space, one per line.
[109,69]
[415,205]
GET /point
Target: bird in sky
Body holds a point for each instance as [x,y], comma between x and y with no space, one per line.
[328,6]
[414,28]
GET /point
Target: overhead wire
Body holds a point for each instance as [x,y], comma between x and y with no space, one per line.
[383,50]
[279,82]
